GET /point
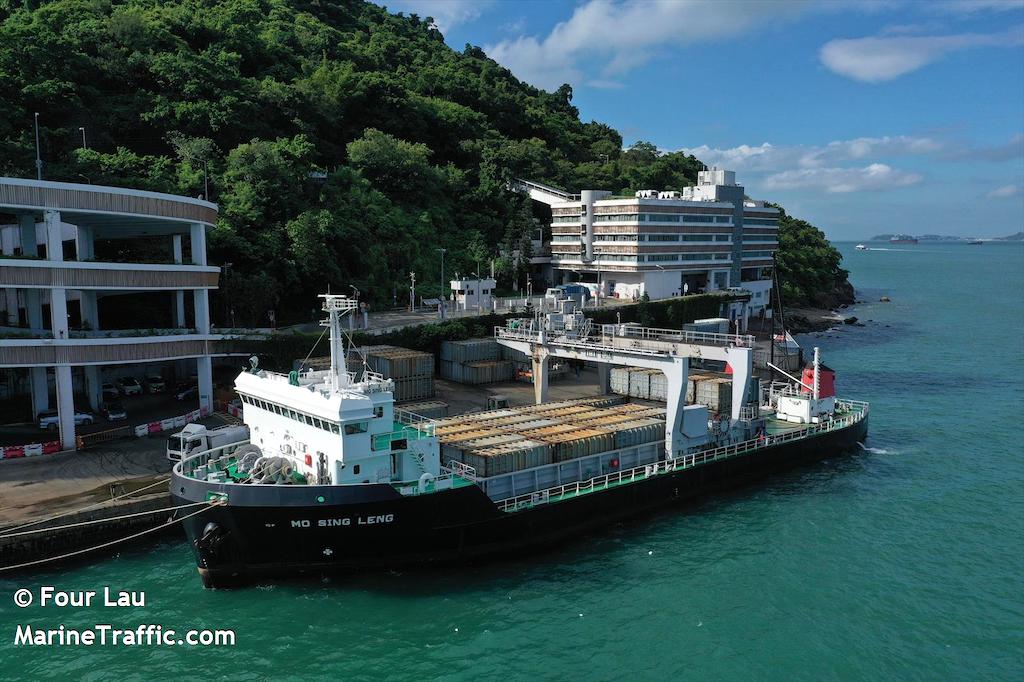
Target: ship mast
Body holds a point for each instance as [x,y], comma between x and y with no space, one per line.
[336,307]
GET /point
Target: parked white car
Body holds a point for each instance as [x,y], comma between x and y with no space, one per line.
[130,386]
[48,420]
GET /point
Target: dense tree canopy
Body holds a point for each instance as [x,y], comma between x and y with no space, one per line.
[344,144]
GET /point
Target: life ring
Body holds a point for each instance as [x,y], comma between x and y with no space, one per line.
[426,479]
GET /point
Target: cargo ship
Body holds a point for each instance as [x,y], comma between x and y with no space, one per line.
[333,476]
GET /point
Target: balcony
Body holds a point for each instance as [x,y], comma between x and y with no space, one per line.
[93,351]
[24,273]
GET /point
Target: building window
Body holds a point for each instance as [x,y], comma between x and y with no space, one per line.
[773,222]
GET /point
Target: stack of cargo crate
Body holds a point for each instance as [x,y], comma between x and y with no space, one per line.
[502,441]
[474,361]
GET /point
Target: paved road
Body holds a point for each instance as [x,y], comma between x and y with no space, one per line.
[388,320]
[33,487]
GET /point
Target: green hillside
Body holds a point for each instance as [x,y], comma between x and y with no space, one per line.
[258,99]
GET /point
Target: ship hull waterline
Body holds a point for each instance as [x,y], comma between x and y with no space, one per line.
[283,531]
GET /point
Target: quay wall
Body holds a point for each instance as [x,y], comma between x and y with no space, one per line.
[52,539]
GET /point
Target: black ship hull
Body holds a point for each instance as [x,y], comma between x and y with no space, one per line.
[274,531]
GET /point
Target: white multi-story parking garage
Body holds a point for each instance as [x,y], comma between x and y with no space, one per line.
[57,290]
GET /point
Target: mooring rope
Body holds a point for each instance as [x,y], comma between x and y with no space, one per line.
[90,506]
[112,542]
[95,521]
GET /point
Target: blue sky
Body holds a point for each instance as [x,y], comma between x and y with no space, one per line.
[862,116]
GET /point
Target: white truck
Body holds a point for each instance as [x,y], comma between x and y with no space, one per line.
[197,438]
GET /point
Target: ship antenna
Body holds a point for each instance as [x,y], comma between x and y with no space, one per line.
[336,306]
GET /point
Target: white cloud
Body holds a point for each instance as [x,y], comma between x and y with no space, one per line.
[1005,192]
[876,176]
[769,157]
[620,36]
[884,58]
[446,13]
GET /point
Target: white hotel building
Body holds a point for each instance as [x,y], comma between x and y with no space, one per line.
[705,238]
[48,270]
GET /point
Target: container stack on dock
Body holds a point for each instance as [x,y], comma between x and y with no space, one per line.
[703,388]
[474,361]
[502,441]
[411,370]
[430,409]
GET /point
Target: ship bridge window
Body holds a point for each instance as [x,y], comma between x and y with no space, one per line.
[402,444]
[358,427]
[334,429]
[378,411]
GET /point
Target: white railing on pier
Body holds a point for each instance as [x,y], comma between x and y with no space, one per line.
[676,336]
[857,410]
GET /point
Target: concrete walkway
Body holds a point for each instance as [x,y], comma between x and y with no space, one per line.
[35,487]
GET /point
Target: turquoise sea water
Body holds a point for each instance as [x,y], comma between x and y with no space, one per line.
[904,561]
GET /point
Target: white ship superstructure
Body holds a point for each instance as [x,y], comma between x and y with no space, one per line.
[327,427]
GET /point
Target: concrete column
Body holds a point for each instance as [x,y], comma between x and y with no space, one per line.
[204,370]
[198,243]
[676,375]
[65,406]
[604,374]
[93,386]
[178,308]
[85,243]
[741,361]
[90,309]
[27,224]
[540,375]
[59,312]
[54,236]
[201,303]
[40,390]
[11,307]
[34,308]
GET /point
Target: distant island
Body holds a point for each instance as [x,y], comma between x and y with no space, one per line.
[947,238]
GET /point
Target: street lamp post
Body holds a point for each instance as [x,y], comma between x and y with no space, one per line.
[441,296]
[227,271]
[84,145]
[39,159]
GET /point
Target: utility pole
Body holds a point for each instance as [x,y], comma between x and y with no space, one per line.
[84,145]
[412,292]
[442,296]
[39,159]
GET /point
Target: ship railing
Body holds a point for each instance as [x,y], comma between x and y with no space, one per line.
[750,412]
[855,411]
[419,422]
[456,468]
[375,382]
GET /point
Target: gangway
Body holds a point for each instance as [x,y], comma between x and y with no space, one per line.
[667,350]
[545,194]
